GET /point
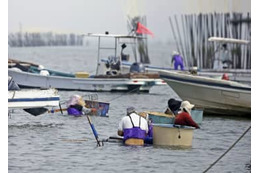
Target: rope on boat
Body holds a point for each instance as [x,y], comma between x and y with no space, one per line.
[228,149]
[124,94]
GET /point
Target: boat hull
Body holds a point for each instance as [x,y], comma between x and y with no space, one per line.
[172,135]
[31,80]
[214,95]
[238,75]
[33,98]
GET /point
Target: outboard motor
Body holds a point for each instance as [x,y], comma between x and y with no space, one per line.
[137,68]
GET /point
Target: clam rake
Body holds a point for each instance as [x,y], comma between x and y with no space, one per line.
[99,143]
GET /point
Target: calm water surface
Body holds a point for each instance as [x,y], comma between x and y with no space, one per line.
[60,143]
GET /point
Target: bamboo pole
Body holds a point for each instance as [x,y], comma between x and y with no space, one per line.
[174,35]
[192,42]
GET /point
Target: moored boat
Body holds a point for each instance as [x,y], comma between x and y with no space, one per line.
[124,84]
[29,75]
[33,101]
[215,96]
[33,98]
[237,75]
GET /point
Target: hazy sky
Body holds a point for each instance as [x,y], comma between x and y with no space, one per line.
[98,16]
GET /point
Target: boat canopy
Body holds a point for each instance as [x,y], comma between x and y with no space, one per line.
[228,40]
[114,36]
[118,38]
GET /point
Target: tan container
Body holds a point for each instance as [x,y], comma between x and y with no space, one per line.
[82,74]
[167,134]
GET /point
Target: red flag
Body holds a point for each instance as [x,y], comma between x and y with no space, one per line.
[141,29]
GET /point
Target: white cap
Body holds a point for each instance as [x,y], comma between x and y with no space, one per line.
[187,106]
[175,53]
[40,67]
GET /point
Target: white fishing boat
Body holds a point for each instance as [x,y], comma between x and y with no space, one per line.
[33,98]
[238,75]
[109,78]
[129,82]
[33,101]
[216,96]
[235,74]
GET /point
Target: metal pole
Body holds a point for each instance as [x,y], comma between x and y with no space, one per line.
[98,55]
[116,46]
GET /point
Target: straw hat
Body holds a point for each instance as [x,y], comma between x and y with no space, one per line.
[76,99]
[143,114]
[187,106]
[81,101]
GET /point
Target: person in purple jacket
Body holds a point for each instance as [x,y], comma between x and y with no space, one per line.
[76,106]
[133,128]
[178,60]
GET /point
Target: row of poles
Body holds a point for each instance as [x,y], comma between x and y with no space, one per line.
[191,33]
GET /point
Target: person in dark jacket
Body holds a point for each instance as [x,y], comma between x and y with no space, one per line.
[173,106]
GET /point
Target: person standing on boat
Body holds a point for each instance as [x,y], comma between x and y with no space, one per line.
[223,58]
[226,57]
[178,60]
[133,127]
[76,106]
[184,116]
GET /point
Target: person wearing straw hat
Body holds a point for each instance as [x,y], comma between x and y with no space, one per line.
[184,116]
[178,60]
[76,106]
[133,127]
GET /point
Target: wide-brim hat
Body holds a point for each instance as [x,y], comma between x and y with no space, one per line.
[187,106]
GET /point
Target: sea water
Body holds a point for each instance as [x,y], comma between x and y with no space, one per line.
[60,143]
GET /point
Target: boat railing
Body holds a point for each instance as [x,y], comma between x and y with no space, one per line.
[174,125]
